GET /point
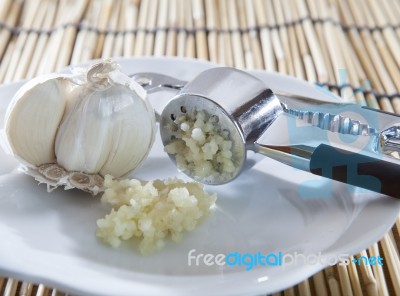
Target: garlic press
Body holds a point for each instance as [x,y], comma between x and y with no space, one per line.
[345,142]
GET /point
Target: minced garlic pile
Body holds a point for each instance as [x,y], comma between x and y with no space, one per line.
[152,211]
[201,148]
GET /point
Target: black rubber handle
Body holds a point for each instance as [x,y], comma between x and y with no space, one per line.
[356,169]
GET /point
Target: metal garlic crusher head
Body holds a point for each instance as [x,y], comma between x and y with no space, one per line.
[244,106]
[257,119]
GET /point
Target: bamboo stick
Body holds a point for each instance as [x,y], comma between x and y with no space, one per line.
[26,289]
[344,66]
[30,12]
[225,55]
[41,290]
[101,26]
[26,9]
[171,46]
[151,25]
[308,61]
[289,292]
[396,105]
[141,35]
[29,47]
[199,25]
[369,99]
[391,15]
[360,77]
[313,43]
[393,72]
[11,287]
[318,9]
[319,284]
[161,35]
[352,66]
[367,276]
[119,37]
[389,12]
[333,47]
[11,20]
[85,38]
[237,49]
[372,101]
[333,283]
[388,33]
[69,33]
[354,278]
[304,288]
[392,262]
[276,36]
[396,5]
[190,46]
[5,6]
[372,50]
[90,37]
[181,38]
[131,18]
[297,61]
[358,45]
[2,280]
[6,60]
[393,242]
[386,105]
[39,51]
[111,27]
[247,53]
[48,63]
[276,42]
[255,45]
[212,25]
[284,36]
[378,272]
[265,36]
[398,228]
[344,279]
[57,293]
[349,64]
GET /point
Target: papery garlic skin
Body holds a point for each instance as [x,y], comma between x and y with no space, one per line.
[72,130]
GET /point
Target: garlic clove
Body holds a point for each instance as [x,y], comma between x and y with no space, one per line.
[109,130]
[84,139]
[33,117]
[133,137]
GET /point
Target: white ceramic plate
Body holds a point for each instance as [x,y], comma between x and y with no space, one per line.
[49,237]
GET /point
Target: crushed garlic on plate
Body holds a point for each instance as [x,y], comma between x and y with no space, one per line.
[201,148]
[152,211]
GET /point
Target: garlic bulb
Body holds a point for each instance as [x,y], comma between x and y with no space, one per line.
[74,129]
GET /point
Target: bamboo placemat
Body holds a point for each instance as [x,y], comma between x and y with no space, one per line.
[352,47]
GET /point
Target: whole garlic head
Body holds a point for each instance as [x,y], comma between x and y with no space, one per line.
[72,130]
